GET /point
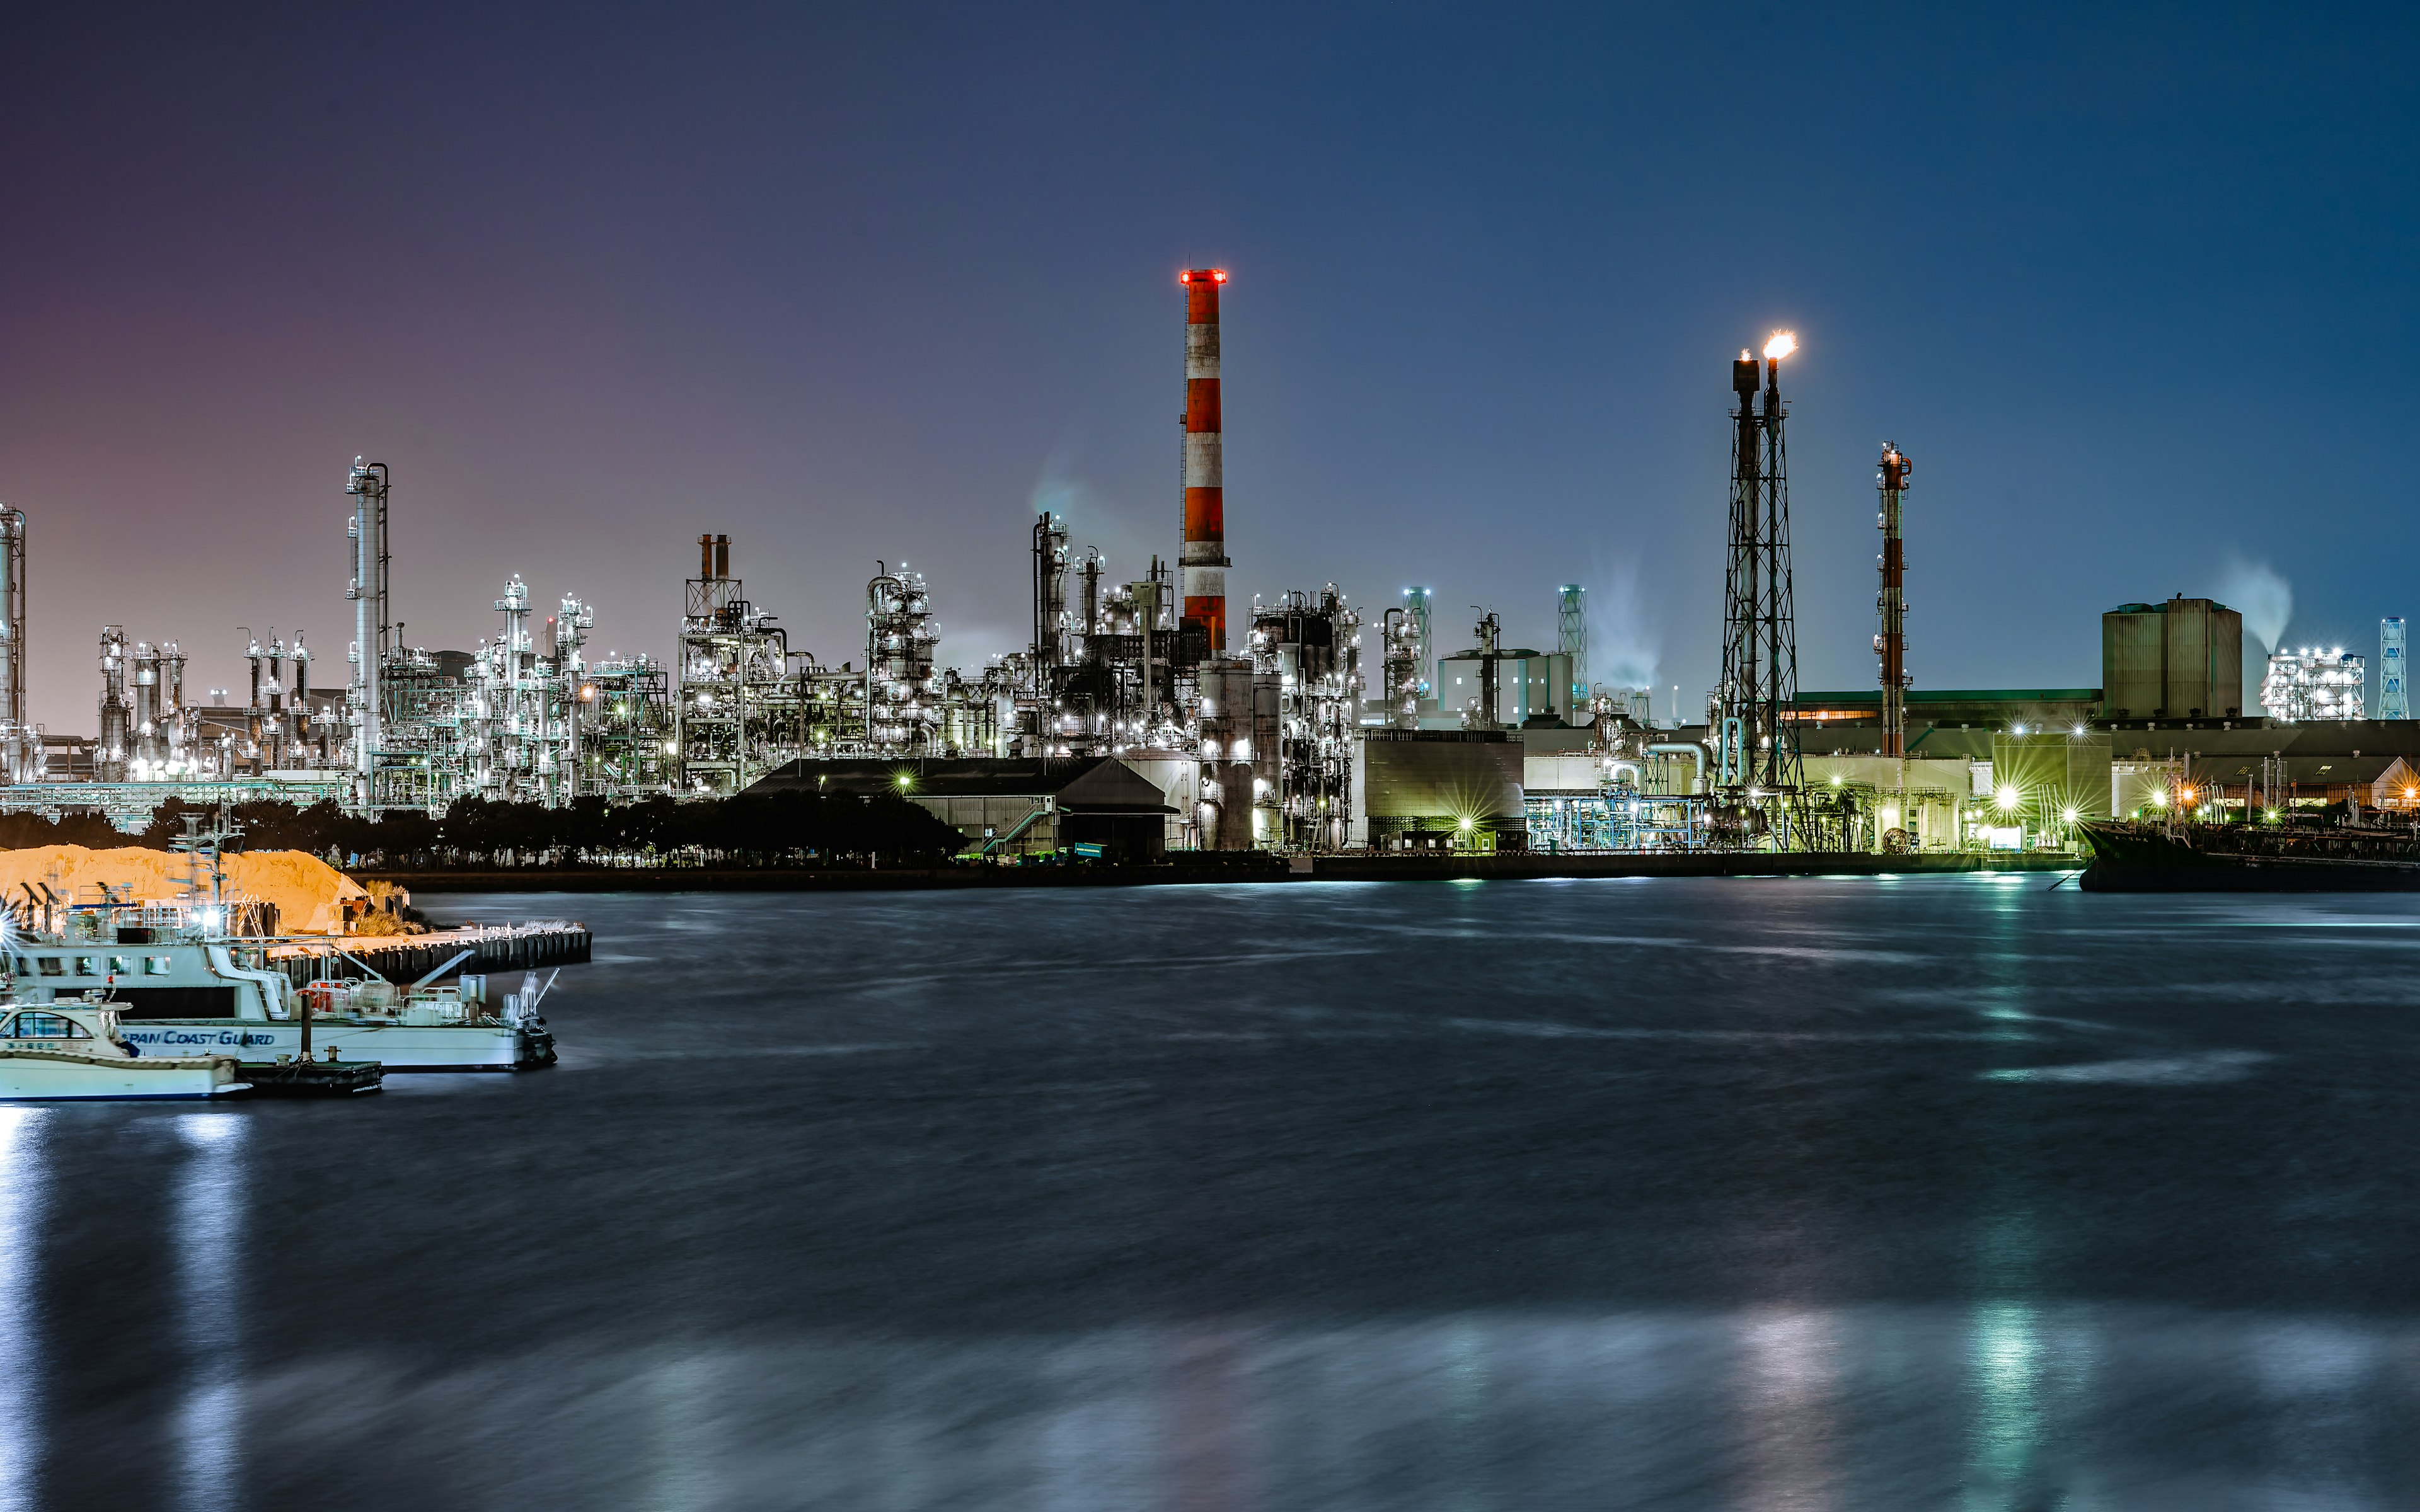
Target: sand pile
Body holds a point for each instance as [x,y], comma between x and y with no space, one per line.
[309,893]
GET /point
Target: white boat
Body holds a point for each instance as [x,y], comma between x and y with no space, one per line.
[74,1050]
[182,989]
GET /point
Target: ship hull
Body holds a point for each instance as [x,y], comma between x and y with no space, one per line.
[398,1047]
[32,1077]
[2143,860]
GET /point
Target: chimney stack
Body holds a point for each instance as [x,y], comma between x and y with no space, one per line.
[1203,562]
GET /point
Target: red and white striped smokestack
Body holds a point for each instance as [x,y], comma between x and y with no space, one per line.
[1202,562]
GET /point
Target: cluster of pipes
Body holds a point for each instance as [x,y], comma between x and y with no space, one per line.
[523,718]
[1253,745]
[743,702]
[150,734]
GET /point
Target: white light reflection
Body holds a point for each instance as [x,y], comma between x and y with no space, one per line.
[2325,1383]
[21,1168]
[1206,1411]
[1788,1361]
[206,1230]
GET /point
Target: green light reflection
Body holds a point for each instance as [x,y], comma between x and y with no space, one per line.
[2007,1428]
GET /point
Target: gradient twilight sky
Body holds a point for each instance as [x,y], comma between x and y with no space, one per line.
[2136,292]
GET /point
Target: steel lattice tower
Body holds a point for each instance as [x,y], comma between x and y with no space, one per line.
[1571,639]
[1759,776]
[2393,702]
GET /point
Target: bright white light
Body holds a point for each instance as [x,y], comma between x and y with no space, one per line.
[2008,798]
[1782,345]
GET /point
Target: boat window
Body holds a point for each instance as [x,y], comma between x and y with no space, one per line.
[157,966]
[47,1027]
[122,966]
[88,965]
[53,965]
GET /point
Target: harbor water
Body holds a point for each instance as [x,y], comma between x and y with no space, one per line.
[1929,1192]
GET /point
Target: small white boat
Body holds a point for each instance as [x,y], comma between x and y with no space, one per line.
[184,990]
[74,1050]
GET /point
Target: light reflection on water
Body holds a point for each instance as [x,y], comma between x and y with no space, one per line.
[1789,1414]
[1836,1408]
[23,1167]
[1934,1193]
[206,1230]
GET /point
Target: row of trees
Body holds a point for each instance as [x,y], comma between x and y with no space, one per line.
[19,832]
[791,828]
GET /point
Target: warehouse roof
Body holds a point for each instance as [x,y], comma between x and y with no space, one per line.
[1080,784]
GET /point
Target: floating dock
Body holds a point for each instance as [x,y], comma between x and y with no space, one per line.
[313,1078]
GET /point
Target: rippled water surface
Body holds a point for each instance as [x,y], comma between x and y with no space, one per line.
[1924,1193]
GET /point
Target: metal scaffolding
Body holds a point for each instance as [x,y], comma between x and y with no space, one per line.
[1571,639]
[1310,648]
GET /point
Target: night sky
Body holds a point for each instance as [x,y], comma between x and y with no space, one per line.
[2136,292]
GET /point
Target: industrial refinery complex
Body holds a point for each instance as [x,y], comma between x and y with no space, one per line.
[1143,717]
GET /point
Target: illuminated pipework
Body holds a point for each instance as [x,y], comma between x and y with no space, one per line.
[1311,650]
[903,697]
[112,750]
[1202,562]
[2313,683]
[1400,688]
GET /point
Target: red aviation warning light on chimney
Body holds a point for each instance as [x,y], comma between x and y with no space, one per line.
[1202,562]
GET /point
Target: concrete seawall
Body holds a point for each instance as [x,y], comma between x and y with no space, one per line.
[1506,866]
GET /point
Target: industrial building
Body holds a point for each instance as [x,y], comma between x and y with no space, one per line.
[2183,659]
[1009,806]
[2313,683]
[1444,789]
[1149,713]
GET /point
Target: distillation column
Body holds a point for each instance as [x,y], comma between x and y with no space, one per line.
[367,489]
[1891,644]
[1202,562]
[20,747]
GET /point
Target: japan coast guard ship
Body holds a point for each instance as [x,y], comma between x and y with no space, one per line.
[182,988]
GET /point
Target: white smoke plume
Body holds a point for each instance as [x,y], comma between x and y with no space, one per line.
[2264,598]
[1622,646]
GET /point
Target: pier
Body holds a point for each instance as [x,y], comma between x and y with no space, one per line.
[404,958]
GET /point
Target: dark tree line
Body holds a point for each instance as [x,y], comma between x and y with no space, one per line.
[22,831]
[790,828]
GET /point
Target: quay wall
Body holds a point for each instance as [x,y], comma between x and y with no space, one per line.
[1507,866]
